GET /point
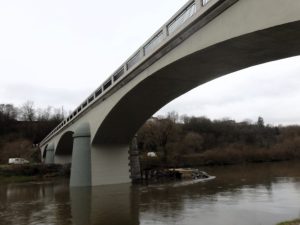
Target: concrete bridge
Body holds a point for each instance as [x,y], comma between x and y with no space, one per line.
[204,40]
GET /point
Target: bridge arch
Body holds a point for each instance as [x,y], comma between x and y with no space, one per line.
[64,148]
[179,77]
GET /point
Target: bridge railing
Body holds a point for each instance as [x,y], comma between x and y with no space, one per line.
[180,20]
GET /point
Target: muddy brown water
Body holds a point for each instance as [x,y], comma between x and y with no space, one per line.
[256,194]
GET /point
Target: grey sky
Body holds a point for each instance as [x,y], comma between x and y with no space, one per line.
[57,52]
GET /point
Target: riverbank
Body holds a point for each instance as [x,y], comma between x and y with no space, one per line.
[32,172]
[199,141]
[293,222]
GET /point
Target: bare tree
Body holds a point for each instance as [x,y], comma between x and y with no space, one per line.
[8,112]
[28,112]
[192,143]
[44,114]
[58,114]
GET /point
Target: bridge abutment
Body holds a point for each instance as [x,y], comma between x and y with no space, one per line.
[81,158]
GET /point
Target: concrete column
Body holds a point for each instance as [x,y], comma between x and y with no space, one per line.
[134,161]
[81,157]
[110,164]
[49,154]
[198,4]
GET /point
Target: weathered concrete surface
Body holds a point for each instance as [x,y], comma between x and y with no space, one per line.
[248,33]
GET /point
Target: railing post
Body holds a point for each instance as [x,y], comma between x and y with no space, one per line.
[165,31]
[125,67]
[142,52]
[204,2]
[198,4]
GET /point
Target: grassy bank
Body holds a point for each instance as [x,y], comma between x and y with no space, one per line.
[18,179]
[293,222]
[32,172]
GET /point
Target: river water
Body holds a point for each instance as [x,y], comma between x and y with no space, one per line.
[257,194]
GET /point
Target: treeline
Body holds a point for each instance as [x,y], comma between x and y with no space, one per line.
[23,127]
[27,121]
[195,141]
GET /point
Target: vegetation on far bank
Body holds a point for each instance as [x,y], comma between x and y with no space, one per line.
[178,141]
[198,141]
[32,172]
[293,222]
[18,179]
[22,128]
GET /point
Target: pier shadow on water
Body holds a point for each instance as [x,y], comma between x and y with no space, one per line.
[111,204]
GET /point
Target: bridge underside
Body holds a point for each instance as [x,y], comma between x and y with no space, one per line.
[129,114]
[191,71]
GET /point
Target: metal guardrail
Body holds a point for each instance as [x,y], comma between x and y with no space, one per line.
[134,60]
[153,43]
[180,20]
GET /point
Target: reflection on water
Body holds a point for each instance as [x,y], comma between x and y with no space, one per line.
[29,203]
[242,195]
[111,204]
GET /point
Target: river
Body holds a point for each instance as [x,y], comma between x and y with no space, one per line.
[254,194]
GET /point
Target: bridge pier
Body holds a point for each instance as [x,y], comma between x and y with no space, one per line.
[81,157]
[49,154]
[110,164]
[135,168]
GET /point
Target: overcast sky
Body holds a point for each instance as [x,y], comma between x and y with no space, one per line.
[56,52]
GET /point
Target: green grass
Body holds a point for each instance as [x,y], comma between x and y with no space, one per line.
[293,222]
[17,179]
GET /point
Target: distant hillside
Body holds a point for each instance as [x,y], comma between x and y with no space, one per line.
[21,128]
[197,141]
[185,141]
